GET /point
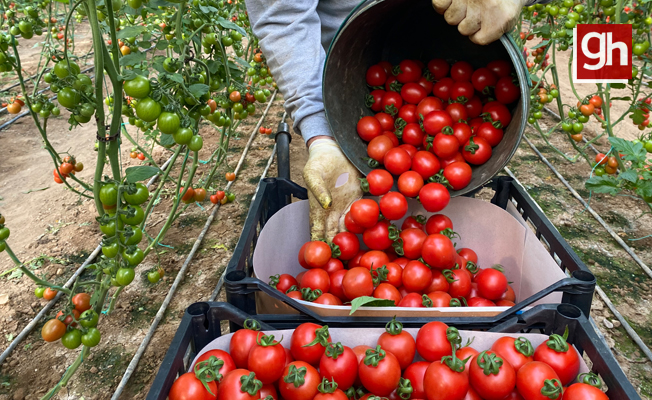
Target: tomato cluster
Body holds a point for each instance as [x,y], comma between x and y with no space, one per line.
[265,131]
[432,365]
[137,154]
[416,266]
[433,121]
[74,326]
[69,166]
[14,106]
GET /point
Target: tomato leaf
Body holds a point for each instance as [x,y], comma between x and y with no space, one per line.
[629,175]
[369,302]
[644,189]
[140,173]
[162,44]
[632,151]
[130,31]
[208,9]
[176,77]
[230,25]
[167,140]
[213,66]
[622,98]
[198,89]
[132,59]
[602,184]
[637,117]
[618,86]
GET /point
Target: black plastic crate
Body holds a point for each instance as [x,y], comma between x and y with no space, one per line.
[275,193]
[201,324]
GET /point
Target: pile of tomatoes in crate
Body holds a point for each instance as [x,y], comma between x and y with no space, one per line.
[414,266]
[433,365]
[436,120]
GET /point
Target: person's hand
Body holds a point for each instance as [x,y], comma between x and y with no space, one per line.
[333,185]
[484,21]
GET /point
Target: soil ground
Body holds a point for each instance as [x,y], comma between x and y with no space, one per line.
[53,230]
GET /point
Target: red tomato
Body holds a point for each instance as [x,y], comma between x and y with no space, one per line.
[301,343]
[432,343]
[375,100]
[348,243]
[358,282]
[492,283]
[241,343]
[283,282]
[268,390]
[509,294]
[410,183]
[379,371]
[462,92]
[437,223]
[483,78]
[427,84]
[560,356]
[477,151]
[394,274]
[448,161]
[392,100]
[417,222]
[350,224]
[530,379]
[438,68]
[440,299]
[413,93]
[328,299]
[339,363]
[466,353]
[393,206]
[411,300]
[426,164]
[473,107]
[434,122]
[583,391]
[386,66]
[433,196]
[392,137]
[461,71]
[415,373]
[416,276]
[461,284]
[390,83]
[411,150]
[489,132]
[387,292]
[239,384]
[473,301]
[412,134]
[498,112]
[368,128]
[413,239]
[336,284]
[397,161]
[376,76]
[297,385]
[377,237]
[398,342]
[468,254]
[442,89]
[189,387]
[475,124]
[438,282]
[378,147]
[428,105]
[386,121]
[333,265]
[439,252]
[267,359]
[445,145]
[365,212]
[516,351]
[408,113]
[515,395]
[490,377]
[457,111]
[229,364]
[442,383]
[506,91]
[410,71]
[500,68]
[295,294]
[316,279]
[317,254]
[373,259]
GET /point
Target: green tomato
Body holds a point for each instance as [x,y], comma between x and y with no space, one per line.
[567,126]
[72,339]
[109,194]
[139,87]
[648,146]
[168,122]
[109,228]
[153,276]
[44,114]
[81,119]
[238,107]
[38,292]
[572,114]
[578,127]
[599,171]
[148,109]
[55,111]
[4,233]
[171,65]
[69,97]
[111,250]
[91,338]
[260,96]
[583,118]
[135,216]
[227,41]
[136,194]
[230,197]
[638,49]
[133,239]
[182,136]
[251,109]
[61,69]
[266,92]
[83,83]
[205,110]
[133,256]
[87,110]
[125,276]
[196,143]
[3,246]
[88,319]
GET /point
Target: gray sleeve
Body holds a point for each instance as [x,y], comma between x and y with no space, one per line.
[532,2]
[290,38]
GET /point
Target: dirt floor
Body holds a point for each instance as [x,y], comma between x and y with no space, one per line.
[53,230]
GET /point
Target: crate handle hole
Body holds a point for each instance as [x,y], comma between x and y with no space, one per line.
[236,276]
[197,309]
[569,311]
[584,276]
[269,180]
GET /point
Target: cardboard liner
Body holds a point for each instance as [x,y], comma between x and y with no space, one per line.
[496,235]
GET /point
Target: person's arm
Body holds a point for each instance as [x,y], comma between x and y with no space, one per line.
[290,38]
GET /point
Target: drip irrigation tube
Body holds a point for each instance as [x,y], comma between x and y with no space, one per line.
[182,272]
[32,324]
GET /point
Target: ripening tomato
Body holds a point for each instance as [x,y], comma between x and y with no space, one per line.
[410,183]
[516,351]
[82,302]
[358,282]
[365,212]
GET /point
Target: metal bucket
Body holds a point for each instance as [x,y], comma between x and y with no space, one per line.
[394,30]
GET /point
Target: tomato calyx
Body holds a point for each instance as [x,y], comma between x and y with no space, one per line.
[404,389]
[552,388]
[558,343]
[209,371]
[251,324]
[369,100]
[391,109]
[394,327]
[381,274]
[426,301]
[334,350]
[373,357]
[321,337]
[490,363]
[454,363]
[448,274]
[471,147]
[353,393]
[398,246]
[249,384]
[296,376]
[453,336]
[472,267]
[327,386]
[451,234]
[293,288]
[311,295]
[364,185]
[524,346]
[274,280]
[371,162]
[590,379]
[455,303]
